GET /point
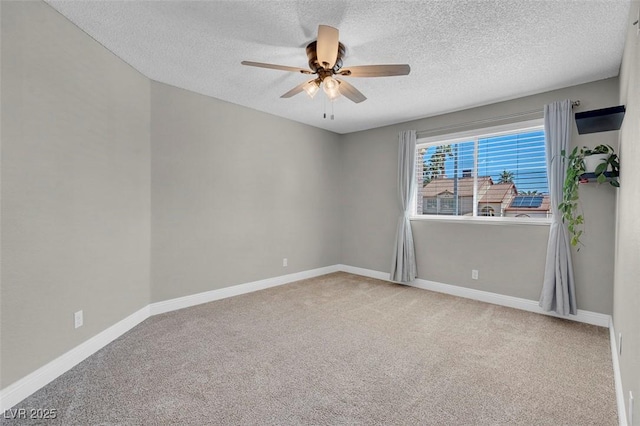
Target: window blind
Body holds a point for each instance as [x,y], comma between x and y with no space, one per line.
[489,175]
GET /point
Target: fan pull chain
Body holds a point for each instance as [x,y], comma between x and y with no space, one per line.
[324,107]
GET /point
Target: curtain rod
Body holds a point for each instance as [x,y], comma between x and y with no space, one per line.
[424,133]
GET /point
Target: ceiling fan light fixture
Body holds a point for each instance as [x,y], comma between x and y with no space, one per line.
[311,88]
[330,87]
[325,57]
[333,94]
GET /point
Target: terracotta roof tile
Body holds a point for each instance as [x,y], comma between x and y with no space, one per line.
[465,186]
[498,192]
[491,193]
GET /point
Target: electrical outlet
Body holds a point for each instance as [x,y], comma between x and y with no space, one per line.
[620,344]
[77,319]
[630,416]
[474,274]
[285,262]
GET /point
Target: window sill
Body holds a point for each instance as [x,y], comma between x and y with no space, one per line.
[485,220]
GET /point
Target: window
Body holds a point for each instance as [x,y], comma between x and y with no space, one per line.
[487,211]
[499,172]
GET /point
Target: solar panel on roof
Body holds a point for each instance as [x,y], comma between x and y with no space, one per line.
[527,201]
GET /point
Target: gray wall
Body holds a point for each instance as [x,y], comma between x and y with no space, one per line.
[75,192]
[234,192]
[627,267]
[510,258]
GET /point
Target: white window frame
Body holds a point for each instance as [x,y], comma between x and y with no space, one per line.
[465,136]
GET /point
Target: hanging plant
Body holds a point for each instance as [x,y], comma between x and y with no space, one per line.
[575,164]
[607,161]
[569,205]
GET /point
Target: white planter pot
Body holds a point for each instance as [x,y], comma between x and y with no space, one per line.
[592,161]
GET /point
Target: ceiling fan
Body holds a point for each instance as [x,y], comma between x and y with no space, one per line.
[325,60]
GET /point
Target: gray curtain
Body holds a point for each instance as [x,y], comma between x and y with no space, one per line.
[558,288]
[403,268]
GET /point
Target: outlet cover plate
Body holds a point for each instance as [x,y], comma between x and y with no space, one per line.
[77,319]
[619,344]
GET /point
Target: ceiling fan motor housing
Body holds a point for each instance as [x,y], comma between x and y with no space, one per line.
[313,57]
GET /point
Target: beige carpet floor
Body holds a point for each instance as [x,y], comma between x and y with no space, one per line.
[342,349]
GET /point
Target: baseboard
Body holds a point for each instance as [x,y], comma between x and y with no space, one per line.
[17,391]
[588,317]
[365,272]
[622,412]
[222,293]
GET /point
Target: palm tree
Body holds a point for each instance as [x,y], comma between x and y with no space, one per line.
[434,167]
[506,177]
[530,193]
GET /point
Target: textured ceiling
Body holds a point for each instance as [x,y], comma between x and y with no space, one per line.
[462,53]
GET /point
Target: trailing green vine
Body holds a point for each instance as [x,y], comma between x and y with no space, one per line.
[569,205]
[574,163]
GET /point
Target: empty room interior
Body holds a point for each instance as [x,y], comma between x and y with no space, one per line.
[302,212]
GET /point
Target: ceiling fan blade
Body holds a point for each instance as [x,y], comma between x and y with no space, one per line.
[327,46]
[351,92]
[276,67]
[299,88]
[376,70]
